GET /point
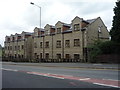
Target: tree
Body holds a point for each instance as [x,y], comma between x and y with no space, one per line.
[115,31]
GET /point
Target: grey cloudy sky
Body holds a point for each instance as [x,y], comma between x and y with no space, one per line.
[19,15]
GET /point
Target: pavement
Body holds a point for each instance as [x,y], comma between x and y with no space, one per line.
[70,65]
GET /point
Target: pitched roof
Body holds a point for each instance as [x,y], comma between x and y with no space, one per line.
[91,20]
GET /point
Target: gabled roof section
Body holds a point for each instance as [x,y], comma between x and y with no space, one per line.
[59,22]
[39,29]
[68,25]
[77,17]
[91,20]
[51,26]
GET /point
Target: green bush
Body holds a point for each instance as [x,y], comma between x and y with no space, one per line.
[109,47]
[99,47]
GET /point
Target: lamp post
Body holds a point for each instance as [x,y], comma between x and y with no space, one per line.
[40,11]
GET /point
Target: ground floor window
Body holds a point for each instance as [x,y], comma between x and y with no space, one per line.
[58,56]
[22,56]
[67,56]
[15,55]
[41,56]
[19,56]
[76,56]
[35,55]
[47,56]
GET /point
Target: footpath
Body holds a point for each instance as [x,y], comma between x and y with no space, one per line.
[70,65]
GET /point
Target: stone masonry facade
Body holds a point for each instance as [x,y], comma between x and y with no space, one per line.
[60,43]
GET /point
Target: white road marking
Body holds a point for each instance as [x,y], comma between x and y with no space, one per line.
[85,79]
[46,75]
[55,77]
[61,74]
[9,69]
[111,79]
[97,64]
[106,85]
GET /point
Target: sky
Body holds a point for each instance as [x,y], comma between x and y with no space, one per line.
[19,15]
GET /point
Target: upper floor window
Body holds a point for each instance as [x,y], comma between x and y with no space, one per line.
[76,42]
[77,27]
[99,29]
[5,47]
[58,30]
[58,44]
[15,47]
[8,48]
[41,44]
[22,46]
[47,32]
[35,45]
[47,44]
[67,43]
[18,47]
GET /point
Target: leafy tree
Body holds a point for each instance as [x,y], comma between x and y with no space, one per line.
[115,31]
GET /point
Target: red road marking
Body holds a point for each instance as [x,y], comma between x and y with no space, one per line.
[72,83]
[112,83]
[90,80]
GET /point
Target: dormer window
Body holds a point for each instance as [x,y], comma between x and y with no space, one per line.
[58,30]
[77,27]
[99,29]
[47,32]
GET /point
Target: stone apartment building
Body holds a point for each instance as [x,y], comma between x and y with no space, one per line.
[18,47]
[62,42]
[69,41]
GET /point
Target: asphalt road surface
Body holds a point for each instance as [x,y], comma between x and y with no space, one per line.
[18,76]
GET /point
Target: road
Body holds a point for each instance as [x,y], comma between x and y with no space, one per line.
[24,76]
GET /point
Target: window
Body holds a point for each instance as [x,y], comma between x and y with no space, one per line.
[58,30]
[35,55]
[35,45]
[99,29]
[22,56]
[58,56]
[5,47]
[67,56]
[58,44]
[67,43]
[76,42]
[41,44]
[47,56]
[10,47]
[15,55]
[15,47]
[40,55]
[22,46]
[47,32]
[18,47]
[76,56]
[77,27]
[47,44]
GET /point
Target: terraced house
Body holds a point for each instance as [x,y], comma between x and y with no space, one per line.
[66,42]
